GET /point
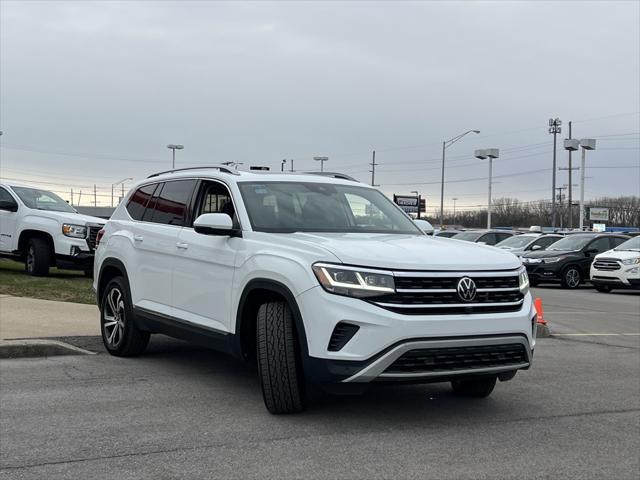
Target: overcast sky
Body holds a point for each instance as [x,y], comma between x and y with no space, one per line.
[93,92]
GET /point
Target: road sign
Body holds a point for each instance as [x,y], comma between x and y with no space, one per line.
[407,203]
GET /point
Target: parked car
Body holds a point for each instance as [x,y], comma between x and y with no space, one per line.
[617,268]
[521,244]
[319,280]
[568,260]
[486,237]
[425,226]
[39,228]
[448,233]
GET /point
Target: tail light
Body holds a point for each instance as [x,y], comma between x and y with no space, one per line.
[99,236]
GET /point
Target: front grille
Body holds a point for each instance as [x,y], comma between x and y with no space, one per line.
[458,358]
[91,237]
[606,264]
[436,294]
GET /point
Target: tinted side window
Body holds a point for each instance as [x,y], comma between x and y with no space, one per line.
[502,236]
[488,238]
[172,204]
[139,200]
[615,241]
[601,245]
[151,205]
[6,196]
[544,242]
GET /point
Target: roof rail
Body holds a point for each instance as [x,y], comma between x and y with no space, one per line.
[341,176]
[222,168]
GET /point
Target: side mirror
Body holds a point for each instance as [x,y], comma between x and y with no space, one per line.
[216,224]
[536,247]
[425,226]
[8,206]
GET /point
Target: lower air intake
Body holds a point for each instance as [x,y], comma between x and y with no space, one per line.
[341,335]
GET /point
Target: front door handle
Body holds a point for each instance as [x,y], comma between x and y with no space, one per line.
[182,246]
[138,238]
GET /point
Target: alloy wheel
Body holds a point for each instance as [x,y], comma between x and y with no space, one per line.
[573,277]
[113,318]
[30,259]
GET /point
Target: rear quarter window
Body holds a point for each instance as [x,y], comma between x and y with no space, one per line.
[138,201]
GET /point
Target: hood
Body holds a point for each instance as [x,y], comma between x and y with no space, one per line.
[619,254]
[409,252]
[67,217]
[550,253]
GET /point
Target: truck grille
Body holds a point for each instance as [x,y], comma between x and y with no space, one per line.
[435,293]
[606,264]
[91,237]
[459,358]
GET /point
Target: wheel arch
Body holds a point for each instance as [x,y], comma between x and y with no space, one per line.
[256,292]
[28,234]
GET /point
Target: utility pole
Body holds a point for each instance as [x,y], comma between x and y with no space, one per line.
[373,173]
[570,222]
[454,209]
[560,203]
[554,129]
[79,197]
[72,197]
[292,164]
[95,197]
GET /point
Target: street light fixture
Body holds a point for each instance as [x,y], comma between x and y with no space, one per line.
[284,161]
[321,160]
[173,149]
[446,144]
[586,144]
[113,185]
[489,153]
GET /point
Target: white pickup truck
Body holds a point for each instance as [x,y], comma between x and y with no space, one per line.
[40,229]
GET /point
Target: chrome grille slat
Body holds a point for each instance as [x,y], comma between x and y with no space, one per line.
[607,264]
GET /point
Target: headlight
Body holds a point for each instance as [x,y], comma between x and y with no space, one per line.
[353,281]
[553,259]
[76,231]
[634,270]
[523,281]
[631,261]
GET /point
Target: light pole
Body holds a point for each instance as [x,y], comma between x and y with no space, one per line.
[417,195]
[489,153]
[446,144]
[321,160]
[284,161]
[454,209]
[113,185]
[554,129]
[173,149]
[586,144]
[571,145]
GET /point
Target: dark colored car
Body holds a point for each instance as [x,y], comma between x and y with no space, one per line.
[487,237]
[448,233]
[568,260]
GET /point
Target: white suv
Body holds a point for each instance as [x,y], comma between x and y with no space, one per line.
[321,280]
[617,268]
[42,230]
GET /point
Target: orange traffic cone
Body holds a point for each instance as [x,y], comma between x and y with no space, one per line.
[540,311]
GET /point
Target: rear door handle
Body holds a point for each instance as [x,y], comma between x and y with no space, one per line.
[138,238]
[182,245]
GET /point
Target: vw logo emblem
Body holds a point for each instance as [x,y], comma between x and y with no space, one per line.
[466,289]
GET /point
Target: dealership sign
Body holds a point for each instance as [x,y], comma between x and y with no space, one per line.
[407,203]
[599,214]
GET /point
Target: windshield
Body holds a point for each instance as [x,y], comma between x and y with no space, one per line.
[286,207]
[468,236]
[631,244]
[571,243]
[42,200]
[517,241]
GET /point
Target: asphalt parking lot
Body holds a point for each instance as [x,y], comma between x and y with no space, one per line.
[181,412]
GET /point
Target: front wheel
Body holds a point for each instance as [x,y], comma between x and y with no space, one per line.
[120,335]
[571,277]
[476,388]
[603,288]
[278,359]
[38,258]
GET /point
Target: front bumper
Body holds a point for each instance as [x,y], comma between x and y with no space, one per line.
[540,272]
[622,278]
[383,336]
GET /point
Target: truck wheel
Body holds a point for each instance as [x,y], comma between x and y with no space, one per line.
[120,335]
[477,388]
[571,277]
[278,366]
[603,288]
[38,258]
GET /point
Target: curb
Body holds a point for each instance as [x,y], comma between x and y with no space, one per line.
[38,348]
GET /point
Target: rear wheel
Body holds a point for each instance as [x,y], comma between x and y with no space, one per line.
[120,335]
[603,288]
[571,277]
[38,258]
[278,359]
[476,388]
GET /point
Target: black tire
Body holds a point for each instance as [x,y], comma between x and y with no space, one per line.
[37,258]
[571,277]
[278,365]
[603,288]
[120,335]
[476,388]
